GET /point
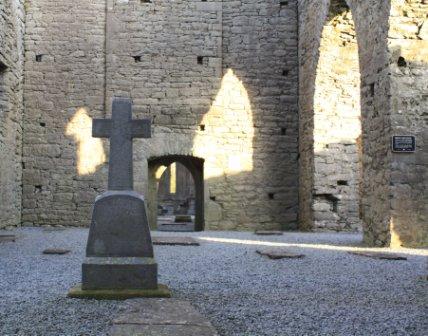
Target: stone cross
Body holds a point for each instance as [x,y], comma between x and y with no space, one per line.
[121,129]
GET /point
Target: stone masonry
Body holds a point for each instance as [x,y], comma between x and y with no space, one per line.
[218,79]
[337,126]
[290,105]
[408,62]
[11,91]
[392,188]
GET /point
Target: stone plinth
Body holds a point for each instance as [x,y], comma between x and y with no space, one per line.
[119,251]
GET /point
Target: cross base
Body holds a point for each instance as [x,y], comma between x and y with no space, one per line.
[119,273]
[77,292]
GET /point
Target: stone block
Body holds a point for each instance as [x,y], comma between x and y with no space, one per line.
[119,273]
[119,226]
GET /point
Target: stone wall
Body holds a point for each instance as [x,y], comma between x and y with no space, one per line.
[218,79]
[371,25]
[371,22]
[11,81]
[408,46]
[64,89]
[337,126]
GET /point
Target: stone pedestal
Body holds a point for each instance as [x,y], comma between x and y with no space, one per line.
[119,253]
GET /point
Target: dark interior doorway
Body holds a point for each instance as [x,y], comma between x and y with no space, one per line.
[176,193]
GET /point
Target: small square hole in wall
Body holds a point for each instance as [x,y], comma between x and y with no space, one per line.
[137,58]
[202,127]
[372,89]
[146,1]
[38,188]
[200,59]
[285,72]
[342,183]
[42,124]
[401,62]
[3,67]
[39,58]
[271,196]
[283,3]
[212,198]
[283,131]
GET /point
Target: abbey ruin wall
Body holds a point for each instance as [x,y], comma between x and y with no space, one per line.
[390,43]
[408,48]
[218,79]
[11,91]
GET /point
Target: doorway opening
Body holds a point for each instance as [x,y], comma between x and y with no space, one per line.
[176,193]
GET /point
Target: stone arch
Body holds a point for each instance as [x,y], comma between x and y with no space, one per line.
[371,26]
[195,166]
[337,126]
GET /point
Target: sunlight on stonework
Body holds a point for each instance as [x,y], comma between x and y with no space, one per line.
[159,172]
[90,151]
[225,138]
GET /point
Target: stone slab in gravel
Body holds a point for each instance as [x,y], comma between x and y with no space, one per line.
[7,238]
[169,240]
[56,251]
[268,233]
[54,228]
[279,254]
[379,255]
[160,317]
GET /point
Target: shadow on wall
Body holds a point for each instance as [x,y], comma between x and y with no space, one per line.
[243,124]
[244,187]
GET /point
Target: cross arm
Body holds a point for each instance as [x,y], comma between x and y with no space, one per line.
[101,128]
[141,128]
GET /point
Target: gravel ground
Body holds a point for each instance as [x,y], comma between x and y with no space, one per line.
[329,292]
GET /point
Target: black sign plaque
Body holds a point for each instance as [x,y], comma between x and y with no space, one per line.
[403,144]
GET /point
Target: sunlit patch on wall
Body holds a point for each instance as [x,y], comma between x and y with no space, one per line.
[90,151]
[226,141]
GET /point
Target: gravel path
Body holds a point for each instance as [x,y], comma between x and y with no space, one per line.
[329,292]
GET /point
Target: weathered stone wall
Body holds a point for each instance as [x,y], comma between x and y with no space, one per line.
[408,46]
[64,89]
[11,81]
[218,79]
[371,24]
[337,126]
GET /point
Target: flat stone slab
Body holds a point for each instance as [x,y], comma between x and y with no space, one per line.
[378,255]
[180,241]
[54,228]
[118,294]
[160,317]
[56,251]
[268,233]
[279,254]
[7,238]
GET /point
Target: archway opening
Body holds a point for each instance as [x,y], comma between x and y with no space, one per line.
[176,198]
[176,193]
[337,125]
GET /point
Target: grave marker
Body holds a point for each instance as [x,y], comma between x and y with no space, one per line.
[119,252]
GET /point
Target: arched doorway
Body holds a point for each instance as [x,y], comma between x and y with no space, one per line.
[163,186]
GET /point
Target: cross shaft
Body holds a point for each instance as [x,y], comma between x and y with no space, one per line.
[121,129]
